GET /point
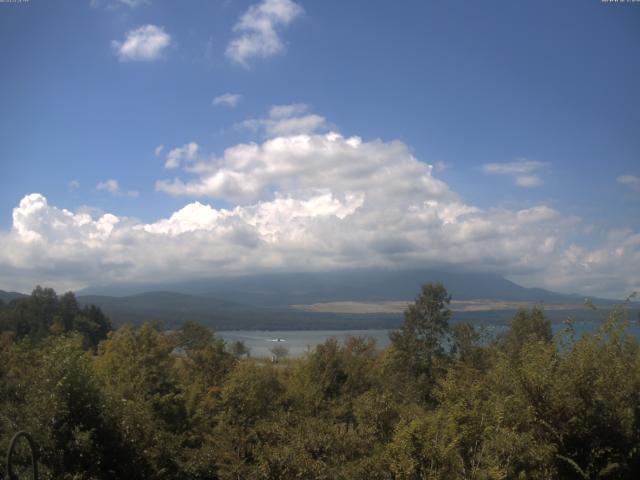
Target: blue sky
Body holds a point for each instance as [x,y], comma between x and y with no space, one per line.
[517,106]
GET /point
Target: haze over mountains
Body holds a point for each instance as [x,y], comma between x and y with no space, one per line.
[308,300]
[283,289]
[265,301]
[8,296]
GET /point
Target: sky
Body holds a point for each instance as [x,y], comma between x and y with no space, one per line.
[149,140]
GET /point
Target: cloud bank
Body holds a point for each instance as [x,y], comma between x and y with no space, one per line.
[305,202]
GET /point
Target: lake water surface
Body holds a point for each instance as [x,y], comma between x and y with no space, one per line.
[298,342]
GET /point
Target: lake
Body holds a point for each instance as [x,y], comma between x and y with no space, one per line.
[298,342]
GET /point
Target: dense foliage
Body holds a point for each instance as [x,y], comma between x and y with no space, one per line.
[441,402]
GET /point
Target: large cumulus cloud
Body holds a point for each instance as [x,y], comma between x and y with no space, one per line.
[309,202]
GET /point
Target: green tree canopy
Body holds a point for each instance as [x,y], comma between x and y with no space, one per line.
[418,346]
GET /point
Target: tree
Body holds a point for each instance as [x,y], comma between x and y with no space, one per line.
[69,309]
[51,392]
[135,370]
[279,352]
[250,394]
[418,346]
[44,313]
[207,362]
[323,374]
[526,326]
[193,336]
[93,324]
[467,345]
[238,349]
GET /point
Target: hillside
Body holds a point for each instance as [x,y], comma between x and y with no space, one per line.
[285,289]
[8,296]
[173,309]
[303,301]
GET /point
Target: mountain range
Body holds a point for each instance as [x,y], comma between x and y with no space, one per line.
[278,289]
[265,301]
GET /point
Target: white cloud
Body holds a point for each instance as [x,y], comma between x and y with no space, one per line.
[309,202]
[187,152]
[144,43]
[158,150]
[522,171]
[113,4]
[440,166]
[113,187]
[227,99]
[256,31]
[287,120]
[133,3]
[608,270]
[34,220]
[513,168]
[287,111]
[311,231]
[310,163]
[110,186]
[73,185]
[631,181]
[528,180]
